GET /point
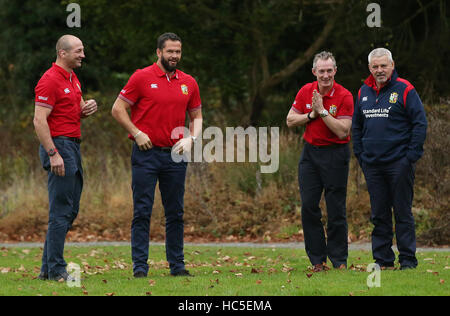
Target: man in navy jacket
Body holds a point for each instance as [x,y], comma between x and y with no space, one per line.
[389,130]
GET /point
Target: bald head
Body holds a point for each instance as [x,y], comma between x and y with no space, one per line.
[69,52]
[67,42]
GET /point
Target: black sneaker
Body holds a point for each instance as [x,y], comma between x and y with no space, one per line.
[42,276]
[181,273]
[140,275]
[407,267]
[63,277]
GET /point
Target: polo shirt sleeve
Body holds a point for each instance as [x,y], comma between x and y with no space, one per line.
[347,107]
[130,93]
[195,101]
[299,103]
[45,94]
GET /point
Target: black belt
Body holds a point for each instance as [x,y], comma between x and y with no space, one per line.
[164,149]
[326,146]
[72,139]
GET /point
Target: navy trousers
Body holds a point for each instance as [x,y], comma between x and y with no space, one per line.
[391,186]
[325,169]
[148,167]
[64,203]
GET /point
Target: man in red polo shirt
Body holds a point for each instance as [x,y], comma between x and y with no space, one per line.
[159,97]
[59,108]
[326,108]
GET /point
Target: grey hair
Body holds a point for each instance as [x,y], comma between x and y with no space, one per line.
[324,56]
[380,52]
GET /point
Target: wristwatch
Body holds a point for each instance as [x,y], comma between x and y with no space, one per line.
[324,113]
[52,152]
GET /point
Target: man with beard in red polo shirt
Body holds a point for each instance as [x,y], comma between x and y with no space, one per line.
[326,108]
[59,108]
[159,97]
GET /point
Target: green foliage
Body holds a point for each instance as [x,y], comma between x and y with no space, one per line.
[230,46]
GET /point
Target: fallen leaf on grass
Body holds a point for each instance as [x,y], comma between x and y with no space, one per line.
[152,282]
[433,272]
[148,293]
[258,281]
[309,275]
[442,281]
[214,281]
[6,270]
[110,294]
[238,275]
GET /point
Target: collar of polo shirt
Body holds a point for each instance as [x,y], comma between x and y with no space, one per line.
[161,73]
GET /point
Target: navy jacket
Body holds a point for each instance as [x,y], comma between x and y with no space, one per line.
[388,124]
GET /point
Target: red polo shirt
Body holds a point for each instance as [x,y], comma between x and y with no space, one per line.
[61,92]
[159,103]
[338,102]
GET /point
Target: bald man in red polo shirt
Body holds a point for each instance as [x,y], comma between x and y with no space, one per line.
[326,108]
[59,108]
[159,97]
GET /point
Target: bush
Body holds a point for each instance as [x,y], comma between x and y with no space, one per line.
[223,201]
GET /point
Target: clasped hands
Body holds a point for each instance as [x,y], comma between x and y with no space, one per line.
[317,104]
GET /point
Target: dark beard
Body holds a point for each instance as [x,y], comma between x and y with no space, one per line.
[167,66]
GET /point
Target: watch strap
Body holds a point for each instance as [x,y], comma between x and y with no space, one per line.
[52,152]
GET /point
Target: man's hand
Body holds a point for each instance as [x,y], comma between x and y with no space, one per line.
[143,141]
[183,146]
[89,108]
[317,103]
[57,165]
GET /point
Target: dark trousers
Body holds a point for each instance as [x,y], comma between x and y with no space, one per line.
[148,167]
[324,169]
[64,203]
[391,186]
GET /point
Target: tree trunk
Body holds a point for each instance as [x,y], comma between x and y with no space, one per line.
[259,100]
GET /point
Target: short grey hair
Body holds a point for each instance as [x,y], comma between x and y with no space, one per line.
[324,56]
[380,52]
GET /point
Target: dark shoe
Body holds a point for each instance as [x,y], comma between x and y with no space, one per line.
[182,273]
[325,267]
[386,266]
[318,267]
[407,267]
[42,276]
[341,267]
[140,275]
[63,277]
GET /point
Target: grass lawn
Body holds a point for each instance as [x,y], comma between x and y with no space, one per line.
[226,271]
